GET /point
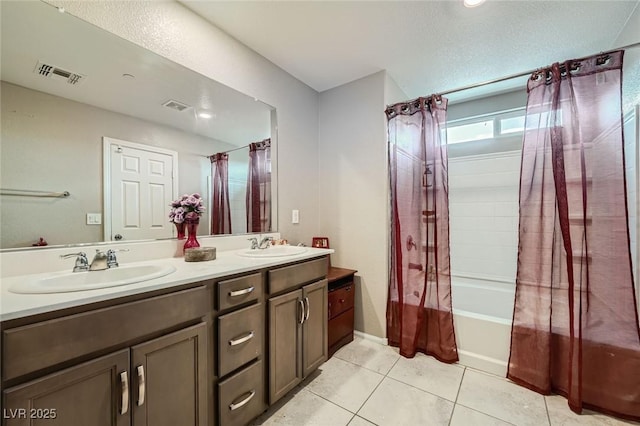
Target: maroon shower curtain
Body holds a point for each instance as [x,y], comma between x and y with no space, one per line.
[259,187]
[220,209]
[419,315]
[575,325]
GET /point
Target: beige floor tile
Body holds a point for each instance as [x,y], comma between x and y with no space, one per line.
[369,354]
[463,416]
[429,374]
[304,408]
[359,421]
[561,415]
[343,383]
[500,398]
[396,404]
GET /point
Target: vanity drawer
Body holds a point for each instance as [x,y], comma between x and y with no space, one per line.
[292,276]
[239,290]
[36,346]
[242,396]
[340,300]
[239,338]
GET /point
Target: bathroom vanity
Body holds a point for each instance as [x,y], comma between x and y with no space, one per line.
[214,343]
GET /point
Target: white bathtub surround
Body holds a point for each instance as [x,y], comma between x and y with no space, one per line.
[479,398]
[482,313]
[483,209]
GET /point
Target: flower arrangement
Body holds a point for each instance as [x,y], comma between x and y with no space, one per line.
[187,207]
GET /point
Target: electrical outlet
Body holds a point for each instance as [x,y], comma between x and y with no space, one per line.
[295,216]
[94,218]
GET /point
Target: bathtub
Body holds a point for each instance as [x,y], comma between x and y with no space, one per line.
[482,315]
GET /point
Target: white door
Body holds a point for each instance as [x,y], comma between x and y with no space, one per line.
[141,183]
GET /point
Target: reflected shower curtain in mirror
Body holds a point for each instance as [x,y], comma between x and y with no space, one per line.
[259,187]
[575,325]
[220,208]
[419,315]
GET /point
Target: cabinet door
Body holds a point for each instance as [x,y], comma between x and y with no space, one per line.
[169,379]
[315,326]
[93,393]
[285,318]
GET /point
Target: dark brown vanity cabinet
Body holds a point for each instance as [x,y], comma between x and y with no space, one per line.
[88,394]
[297,325]
[202,354]
[150,381]
[241,342]
[157,383]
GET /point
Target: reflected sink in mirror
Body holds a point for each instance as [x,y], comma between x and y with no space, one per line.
[274,251]
[64,282]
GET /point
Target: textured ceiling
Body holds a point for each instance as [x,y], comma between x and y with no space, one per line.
[425,46]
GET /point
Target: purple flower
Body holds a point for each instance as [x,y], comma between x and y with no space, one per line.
[186,207]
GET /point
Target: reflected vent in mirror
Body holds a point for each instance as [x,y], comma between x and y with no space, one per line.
[178,106]
[47,70]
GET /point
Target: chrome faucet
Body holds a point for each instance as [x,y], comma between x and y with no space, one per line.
[254,243]
[112,261]
[99,262]
[82,264]
[265,242]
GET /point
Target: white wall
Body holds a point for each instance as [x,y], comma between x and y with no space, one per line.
[354,188]
[175,32]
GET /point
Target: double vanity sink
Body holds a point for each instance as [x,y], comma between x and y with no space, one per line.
[62,282]
[164,342]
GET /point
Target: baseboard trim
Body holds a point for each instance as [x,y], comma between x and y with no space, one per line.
[381,340]
[483,363]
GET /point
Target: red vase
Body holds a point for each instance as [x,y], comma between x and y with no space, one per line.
[180,229]
[192,228]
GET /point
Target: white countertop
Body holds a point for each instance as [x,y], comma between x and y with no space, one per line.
[14,305]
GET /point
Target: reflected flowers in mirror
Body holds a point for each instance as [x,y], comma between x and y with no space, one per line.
[186,208]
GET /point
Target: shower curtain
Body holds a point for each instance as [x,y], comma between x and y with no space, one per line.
[575,325]
[259,187]
[220,209]
[419,315]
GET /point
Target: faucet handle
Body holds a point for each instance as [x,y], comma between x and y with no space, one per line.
[254,242]
[82,263]
[112,261]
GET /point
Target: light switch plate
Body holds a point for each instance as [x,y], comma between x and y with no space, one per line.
[94,218]
[295,216]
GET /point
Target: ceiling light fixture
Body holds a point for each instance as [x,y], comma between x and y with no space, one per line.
[205,114]
[473,3]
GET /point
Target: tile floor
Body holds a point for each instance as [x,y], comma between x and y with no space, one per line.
[366,383]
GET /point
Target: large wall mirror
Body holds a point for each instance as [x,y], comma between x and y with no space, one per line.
[80,105]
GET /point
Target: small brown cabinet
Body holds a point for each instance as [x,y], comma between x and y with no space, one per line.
[341,301]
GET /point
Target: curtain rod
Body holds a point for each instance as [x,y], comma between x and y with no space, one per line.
[226,152]
[522,74]
[236,149]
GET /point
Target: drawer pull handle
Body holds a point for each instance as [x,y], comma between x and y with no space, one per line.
[301,311]
[241,292]
[141,385]
[125,393]
[234,342]
[306,301]
[242,403]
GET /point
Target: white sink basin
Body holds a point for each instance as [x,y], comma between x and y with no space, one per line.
[63,282]
[274,251]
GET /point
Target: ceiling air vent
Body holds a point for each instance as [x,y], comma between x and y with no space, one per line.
[51,71]
[178,106]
